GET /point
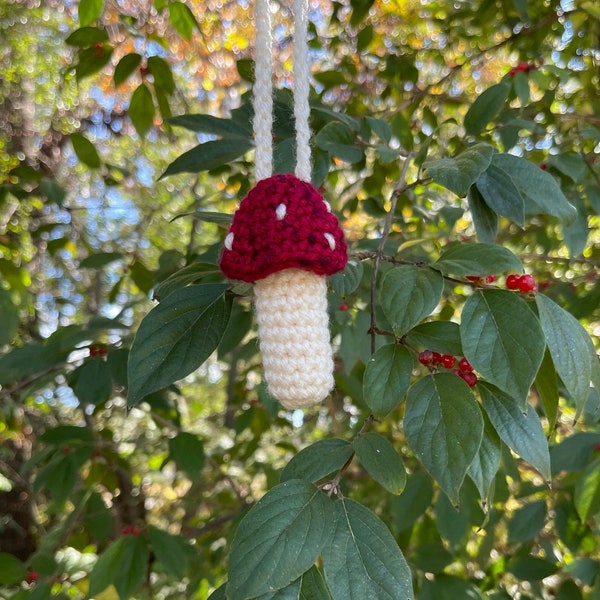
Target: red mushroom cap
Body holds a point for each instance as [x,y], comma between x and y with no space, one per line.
[283,223]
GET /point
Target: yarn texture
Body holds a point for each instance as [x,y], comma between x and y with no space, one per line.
[283,223]
[291,310]
[285,239]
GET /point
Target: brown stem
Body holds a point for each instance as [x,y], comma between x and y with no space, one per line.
[400,188]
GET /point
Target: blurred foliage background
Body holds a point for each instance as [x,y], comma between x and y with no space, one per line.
[89,229]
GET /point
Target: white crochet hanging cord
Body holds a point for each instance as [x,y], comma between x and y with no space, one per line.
[291,305]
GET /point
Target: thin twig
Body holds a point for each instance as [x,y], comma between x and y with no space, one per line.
[400,188]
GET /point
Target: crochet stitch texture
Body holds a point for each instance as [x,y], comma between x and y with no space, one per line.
[283,223]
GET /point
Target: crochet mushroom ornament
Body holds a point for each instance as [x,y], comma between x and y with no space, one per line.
[285,239]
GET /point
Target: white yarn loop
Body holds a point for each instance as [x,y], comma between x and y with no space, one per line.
[301,90]
[263,92]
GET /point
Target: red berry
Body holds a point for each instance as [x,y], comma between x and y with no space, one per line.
[126,529]
[490,278]
[469,377]
[526,283]
[448,361]
[66,449]
[426,357]
[523,66]
[437,358]
[598,447]
[93,351]
[102,351]
[32,576]
[512,281]
[344,306]
[464,365]
[473,277]
[135,530]
[513,71]
[543,166]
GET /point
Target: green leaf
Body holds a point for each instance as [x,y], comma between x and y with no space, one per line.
[408,294]
[98,519]
[141,109]
[133,566]
[189,274]
[100,259]
[441,336]
[568,345]
[85,151]
[279,539]
[501,194]
[503,340]
[531,568]
[575,235]
[476,259]
[176,337]
[289,592]
[537,186]
[188,453]
[339,140]
[66,433]
[520,83]
[387,378]
[318,460]
[546,385]
[86,37]
[587,491]
[125,67]
[486,107]
[484,218]
[486,463]
[171,551]
[161,71]
[380,128]
[313,586]
[526,522]
[574,452]
[92,60]
[53,191]
[141,276]
[209,155]
[12,570]
[449,587]
[414,500]
[89,10]
[364,37]
[521,431]
[331,78]
[381,461]
[444,428]
[225,128]
[9,317]
[347,281]
[458,174]
[431,557]
[91,382]
[362,559]
[182,19]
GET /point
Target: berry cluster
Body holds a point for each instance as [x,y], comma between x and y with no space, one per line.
[430,358]
[523,283]
[98,350]
[522,67]
[32,577]
[130,530]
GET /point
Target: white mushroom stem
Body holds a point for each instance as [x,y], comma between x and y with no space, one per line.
[293,330]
